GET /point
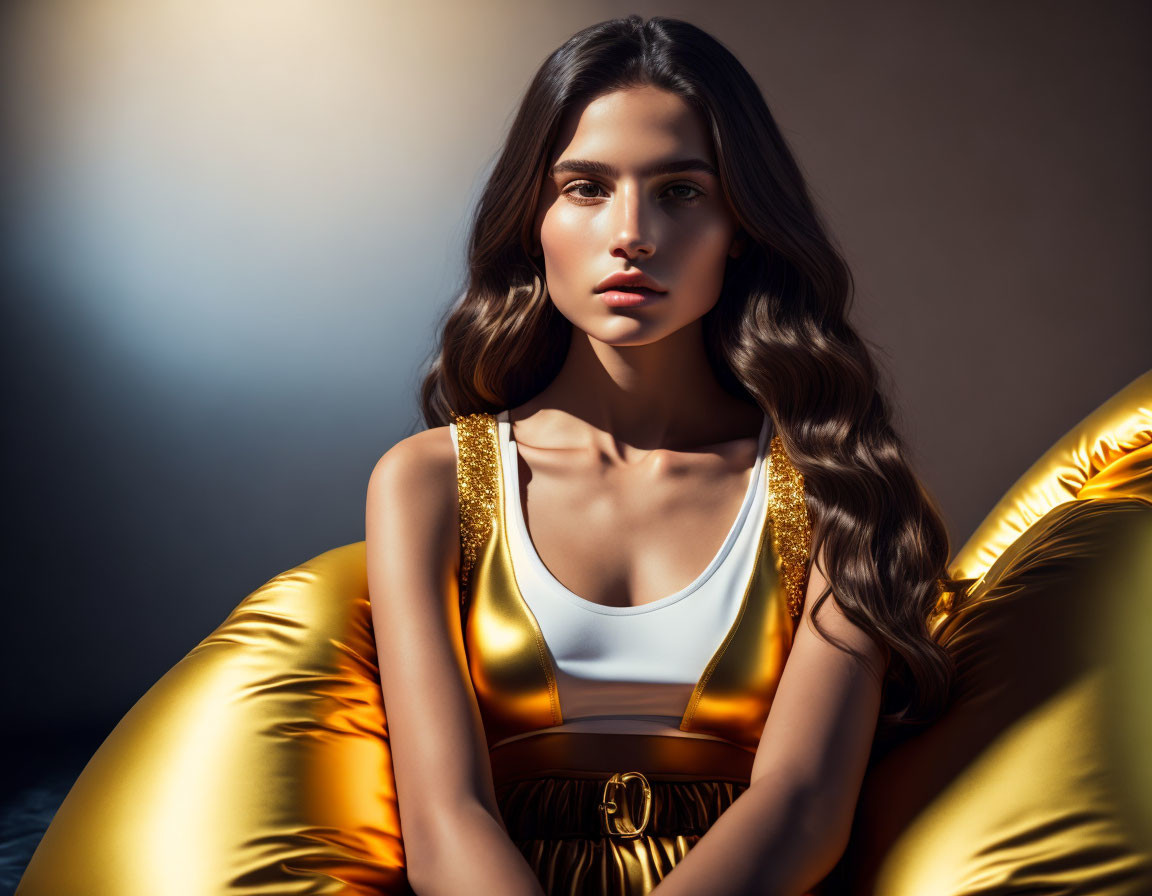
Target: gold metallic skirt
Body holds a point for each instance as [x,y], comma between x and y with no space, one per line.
[612,815]
[557,824]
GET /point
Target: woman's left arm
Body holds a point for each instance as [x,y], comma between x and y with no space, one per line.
[790,827]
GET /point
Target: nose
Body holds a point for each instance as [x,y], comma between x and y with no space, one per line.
[631,225]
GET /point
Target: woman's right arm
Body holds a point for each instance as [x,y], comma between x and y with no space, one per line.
[454,838]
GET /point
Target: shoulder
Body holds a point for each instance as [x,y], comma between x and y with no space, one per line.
[418,471]
[428,451]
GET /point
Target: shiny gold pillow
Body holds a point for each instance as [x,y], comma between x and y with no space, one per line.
[1037,778]
[259,764]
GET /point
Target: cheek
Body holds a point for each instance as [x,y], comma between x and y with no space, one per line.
[705,257]
[562,227]
[564,242]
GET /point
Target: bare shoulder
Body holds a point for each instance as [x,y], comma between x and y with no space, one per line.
[413,487]
[424,462]
[428,449]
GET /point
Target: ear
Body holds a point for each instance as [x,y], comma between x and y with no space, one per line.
[739,244]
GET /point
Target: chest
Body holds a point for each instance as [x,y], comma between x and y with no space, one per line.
[707,659]
[622,537]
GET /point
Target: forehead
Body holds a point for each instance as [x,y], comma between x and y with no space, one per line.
[633,126]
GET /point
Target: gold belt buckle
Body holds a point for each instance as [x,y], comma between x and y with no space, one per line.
[615,811]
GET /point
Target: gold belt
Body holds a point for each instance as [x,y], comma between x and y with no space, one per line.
[595,756]
[616,810]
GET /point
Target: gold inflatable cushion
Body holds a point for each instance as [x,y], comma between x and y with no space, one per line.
[259,764]
[1036,780]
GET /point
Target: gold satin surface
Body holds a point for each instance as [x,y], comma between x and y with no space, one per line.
[259,764]
[1107,453]
[1036,779]
[513,671]
[735,693]
[511,667]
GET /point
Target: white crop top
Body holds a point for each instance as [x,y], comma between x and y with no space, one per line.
[633,669]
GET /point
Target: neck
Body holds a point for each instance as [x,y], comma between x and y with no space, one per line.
[660,395]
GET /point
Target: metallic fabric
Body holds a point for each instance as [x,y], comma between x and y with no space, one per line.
[735,693]
[582,752]
[553,823]
[477,476]
[258,765]
[1036,779]
[791,528]
[512,670]
[1107,453]
[551,786]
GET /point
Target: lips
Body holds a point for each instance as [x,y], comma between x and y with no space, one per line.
[635,295]
[631,281]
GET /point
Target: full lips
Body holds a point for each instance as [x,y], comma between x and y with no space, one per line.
[627,296]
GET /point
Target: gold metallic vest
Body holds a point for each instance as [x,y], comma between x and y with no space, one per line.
[512,670]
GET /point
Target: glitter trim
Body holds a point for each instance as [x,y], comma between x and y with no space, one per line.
[791,529]
[477,478]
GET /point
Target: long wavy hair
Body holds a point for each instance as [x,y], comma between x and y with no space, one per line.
[778,335]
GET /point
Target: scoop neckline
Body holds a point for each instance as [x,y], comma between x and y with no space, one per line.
[510,458]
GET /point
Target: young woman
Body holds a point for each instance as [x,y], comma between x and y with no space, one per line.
[646,585]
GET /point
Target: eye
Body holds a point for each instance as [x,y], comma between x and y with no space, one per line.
[572,191]
[572,188]
[696,192]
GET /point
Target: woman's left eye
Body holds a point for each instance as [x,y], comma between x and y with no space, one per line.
[696,192]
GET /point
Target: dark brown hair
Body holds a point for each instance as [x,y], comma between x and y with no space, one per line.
[778,335]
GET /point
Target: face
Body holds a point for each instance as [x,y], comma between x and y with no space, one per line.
[624,214]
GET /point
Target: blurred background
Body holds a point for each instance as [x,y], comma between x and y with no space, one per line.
[230,229]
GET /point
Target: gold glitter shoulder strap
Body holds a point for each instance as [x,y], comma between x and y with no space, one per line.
[791,529]
[477,469]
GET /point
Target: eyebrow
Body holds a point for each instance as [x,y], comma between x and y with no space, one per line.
[676,166]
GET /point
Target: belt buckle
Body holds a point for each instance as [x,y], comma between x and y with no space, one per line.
[615,811]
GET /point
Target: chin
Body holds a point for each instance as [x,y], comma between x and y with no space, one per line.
[636,334]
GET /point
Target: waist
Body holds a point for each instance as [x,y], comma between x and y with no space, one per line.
[624,806]
[596,755]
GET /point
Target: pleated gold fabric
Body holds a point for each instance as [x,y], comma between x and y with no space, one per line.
[553,784]
[553,822]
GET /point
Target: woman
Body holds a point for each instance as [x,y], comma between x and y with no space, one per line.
[654,338]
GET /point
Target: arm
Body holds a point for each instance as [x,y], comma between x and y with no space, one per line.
[454,838]
[790,827]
